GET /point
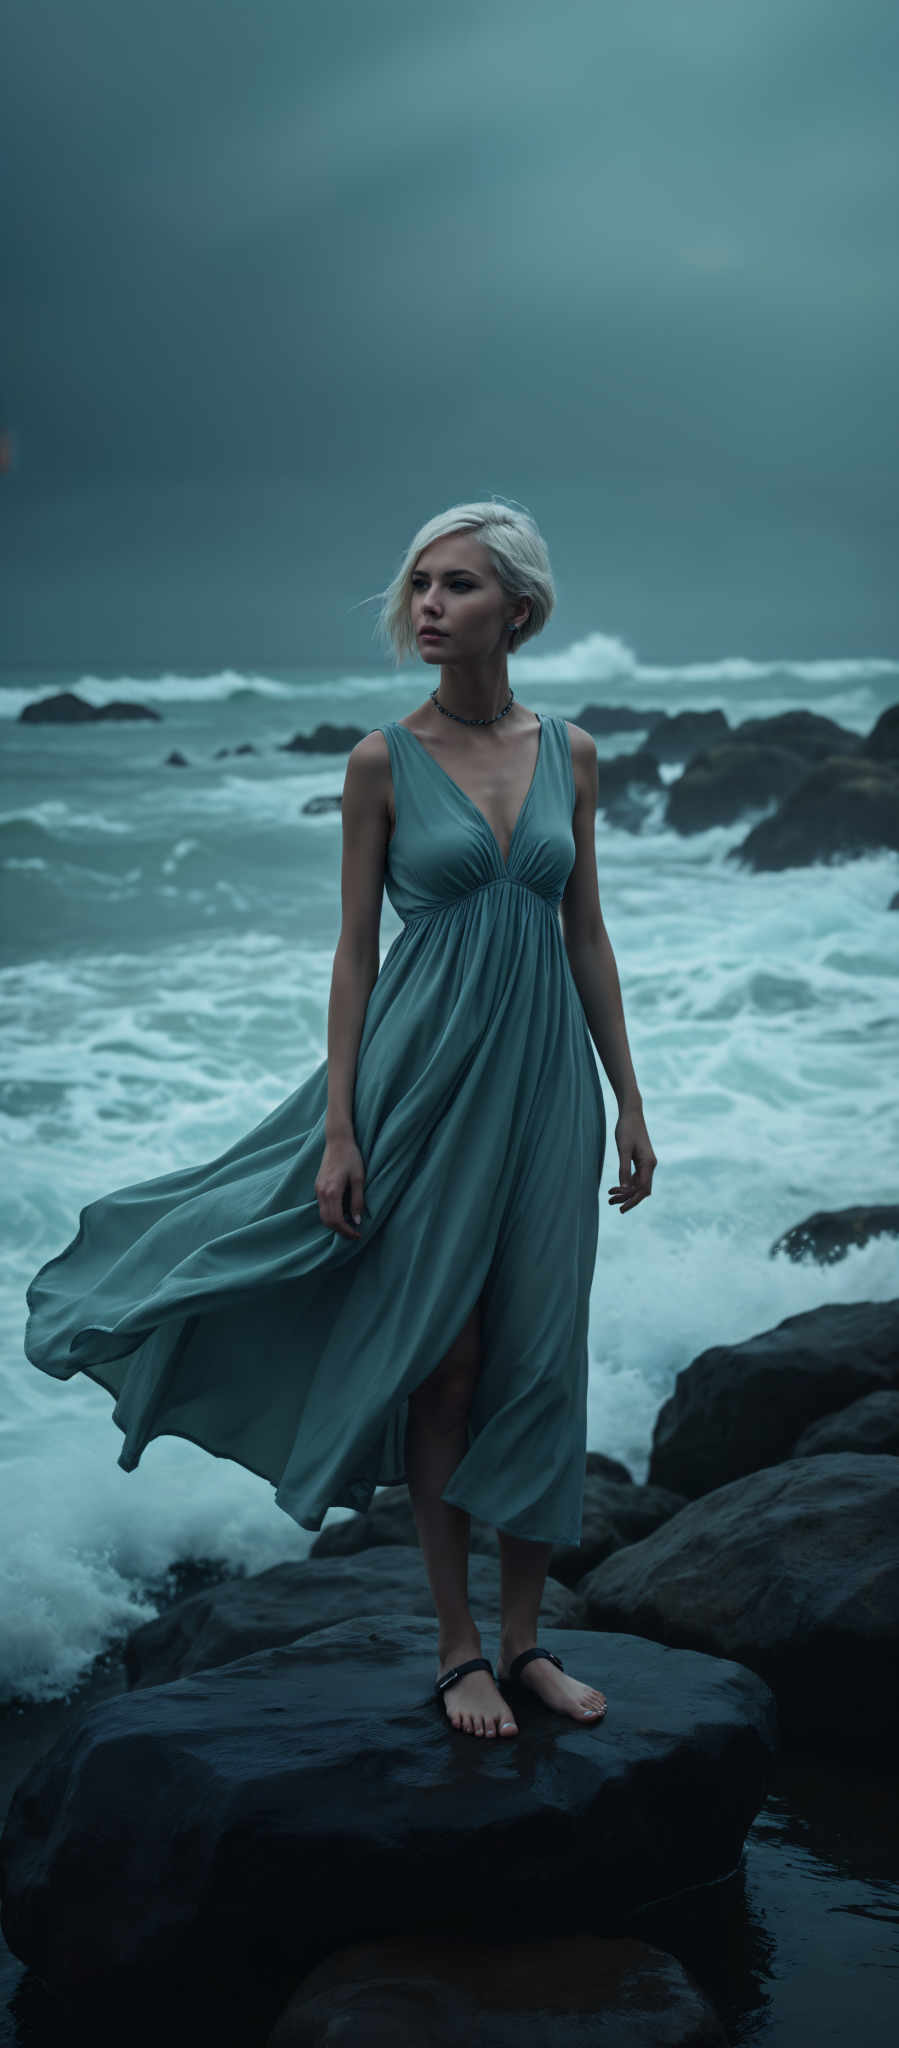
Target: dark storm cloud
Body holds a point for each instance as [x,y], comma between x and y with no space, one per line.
[640,261]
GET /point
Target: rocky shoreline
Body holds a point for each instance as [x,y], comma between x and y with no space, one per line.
[267,1824]
[817,790]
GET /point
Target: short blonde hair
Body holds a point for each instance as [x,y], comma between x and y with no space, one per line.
[516,549]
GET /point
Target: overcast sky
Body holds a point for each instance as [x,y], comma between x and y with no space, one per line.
[281,280]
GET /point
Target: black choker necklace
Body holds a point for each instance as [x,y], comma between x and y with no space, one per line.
[473,721]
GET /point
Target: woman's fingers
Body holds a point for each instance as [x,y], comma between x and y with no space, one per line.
[634,1187]
[330,1209]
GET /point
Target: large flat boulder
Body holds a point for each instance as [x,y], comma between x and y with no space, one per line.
[578,1989]
[793,1571]
[240,1616]
[738,1407]
[219,1835]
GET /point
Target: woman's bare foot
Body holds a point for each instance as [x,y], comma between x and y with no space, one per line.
[566,1695]
[474,1704]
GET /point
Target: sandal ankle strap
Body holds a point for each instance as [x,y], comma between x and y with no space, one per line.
[527,1656]
[461,1670]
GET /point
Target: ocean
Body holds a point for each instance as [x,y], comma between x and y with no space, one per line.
[168,940]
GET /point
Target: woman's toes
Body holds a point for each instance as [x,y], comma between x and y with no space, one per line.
[508,1728]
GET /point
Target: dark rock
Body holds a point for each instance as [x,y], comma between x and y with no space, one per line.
[676,737]
[390,1520]
[234,1826]
[241,1616]
[316,805]
[843,808]
[600,719]
[830,1233]
[868,1427]
[613,1515]
[639,770]
[578,1989]
[807,733]
[246,747]
[66,708]
[604,1467]
[894,902]
[119,708]
[176,760]
[720,783]
[738,1407]
[220,752]
[326,739]
[882,742]
[794,1572]
[628,811]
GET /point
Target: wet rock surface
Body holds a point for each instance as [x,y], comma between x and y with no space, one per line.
[793,1571]
[572,1991]
[260,1813]
[241,1616]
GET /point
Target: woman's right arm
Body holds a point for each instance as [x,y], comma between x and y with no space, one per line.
[366,826]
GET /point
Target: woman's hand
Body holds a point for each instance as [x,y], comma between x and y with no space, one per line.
[632,1140]
[341,1168]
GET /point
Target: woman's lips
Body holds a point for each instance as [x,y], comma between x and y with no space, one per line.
[431,633]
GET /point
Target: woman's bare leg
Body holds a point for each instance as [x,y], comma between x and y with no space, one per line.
[436,1441]
[524,1567]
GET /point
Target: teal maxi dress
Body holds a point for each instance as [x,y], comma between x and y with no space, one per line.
[214,1304]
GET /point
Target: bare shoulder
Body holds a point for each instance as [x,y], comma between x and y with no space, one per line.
[369,760]
[367,782]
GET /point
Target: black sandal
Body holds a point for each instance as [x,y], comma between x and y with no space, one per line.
[461,1671]
[518,1663]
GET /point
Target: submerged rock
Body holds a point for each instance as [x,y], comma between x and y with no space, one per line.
[222,1833]
[403,1993]
[240,1616]
[315,806]
[738,1407]
[793,1571]
[65,707]
[326,739]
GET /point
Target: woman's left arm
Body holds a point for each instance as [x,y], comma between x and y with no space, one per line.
[595,975]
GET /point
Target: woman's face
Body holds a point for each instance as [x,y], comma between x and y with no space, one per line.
[456,590]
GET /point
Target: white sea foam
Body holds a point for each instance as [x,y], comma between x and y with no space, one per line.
[595,658]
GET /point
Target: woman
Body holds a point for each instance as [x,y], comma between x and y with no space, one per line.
[410,1301]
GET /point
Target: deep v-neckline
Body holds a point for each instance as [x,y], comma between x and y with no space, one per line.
[463,793]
